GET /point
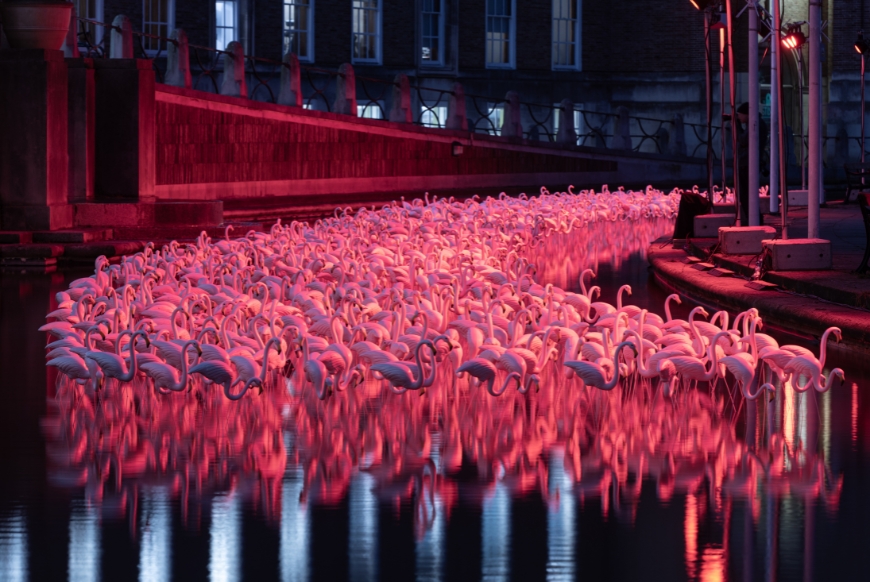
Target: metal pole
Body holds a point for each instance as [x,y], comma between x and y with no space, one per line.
[800,67]
[774,123]
[732,76]
[722,106]
[709,97]
[753,116]
[862,115]
[777,28]
[815,133]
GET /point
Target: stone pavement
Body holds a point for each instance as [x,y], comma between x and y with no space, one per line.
[805,302]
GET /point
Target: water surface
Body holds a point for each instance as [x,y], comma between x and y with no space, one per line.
[560,484]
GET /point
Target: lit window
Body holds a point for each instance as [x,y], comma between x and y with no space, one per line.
[90,10]
[226,18]
[373,110]
[366,31]
[435,116]
[557,116]
[493,121]
[500,28]
[566,34]
[432,27]
[158,20]
[299,29]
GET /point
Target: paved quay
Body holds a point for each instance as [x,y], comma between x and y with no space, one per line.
[804,303]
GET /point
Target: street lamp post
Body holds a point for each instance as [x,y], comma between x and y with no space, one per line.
[816,171]
[794,41]
[862,48]
[710,10]
[777,27]
[753,182]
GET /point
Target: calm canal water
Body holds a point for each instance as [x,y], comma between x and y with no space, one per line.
[561,484]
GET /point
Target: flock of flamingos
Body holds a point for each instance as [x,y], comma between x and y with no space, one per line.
[440,299]
[403,295]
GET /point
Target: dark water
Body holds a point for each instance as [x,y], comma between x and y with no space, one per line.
[556,485]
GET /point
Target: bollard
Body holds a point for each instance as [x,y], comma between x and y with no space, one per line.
[456,117]
[400,109]
[621,139]
[178,60]
[70,46]
[677,143]
[233,83]
[345,91]
[290,92]
[121,39]
[511,125]
[567,133]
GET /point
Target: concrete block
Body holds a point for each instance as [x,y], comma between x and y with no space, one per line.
[800,254]
[708,225]
[37,217]
[146,215]
[798,197]
[73,236]
[15,237]
[744,240]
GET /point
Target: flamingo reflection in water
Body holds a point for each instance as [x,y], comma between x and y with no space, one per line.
[442,314]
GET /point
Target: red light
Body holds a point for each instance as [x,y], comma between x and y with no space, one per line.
[794,39]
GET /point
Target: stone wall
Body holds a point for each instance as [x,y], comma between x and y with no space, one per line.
[208,139]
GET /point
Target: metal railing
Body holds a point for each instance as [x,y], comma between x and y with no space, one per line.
[593,128]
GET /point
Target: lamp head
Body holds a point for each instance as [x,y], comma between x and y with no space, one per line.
[861,46]
[794,38]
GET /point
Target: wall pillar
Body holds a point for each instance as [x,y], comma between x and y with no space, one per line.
[125,129]
[33,149]
[82,117]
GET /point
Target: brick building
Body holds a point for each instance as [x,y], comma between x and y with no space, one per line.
[646,55]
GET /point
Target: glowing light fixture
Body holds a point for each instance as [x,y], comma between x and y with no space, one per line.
[861,46]
[794,38]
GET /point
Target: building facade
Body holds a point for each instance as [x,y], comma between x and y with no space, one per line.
[645,55]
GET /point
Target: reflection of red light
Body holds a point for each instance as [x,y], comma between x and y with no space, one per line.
[854,415]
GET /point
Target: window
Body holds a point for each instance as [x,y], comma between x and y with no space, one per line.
[432,29]
[226,18]
[366,31]
[299,28]
[500,28]
[493,121]
[566,34]
[373,110]
[90,10]
[435,116]
[158,19]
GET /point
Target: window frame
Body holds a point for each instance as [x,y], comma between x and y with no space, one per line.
[578,41]
[379,36]
[234,27]
[374,106]
[438,112]
[309,58]
[170,26]
[512,35]
[442,17]
[97,30]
